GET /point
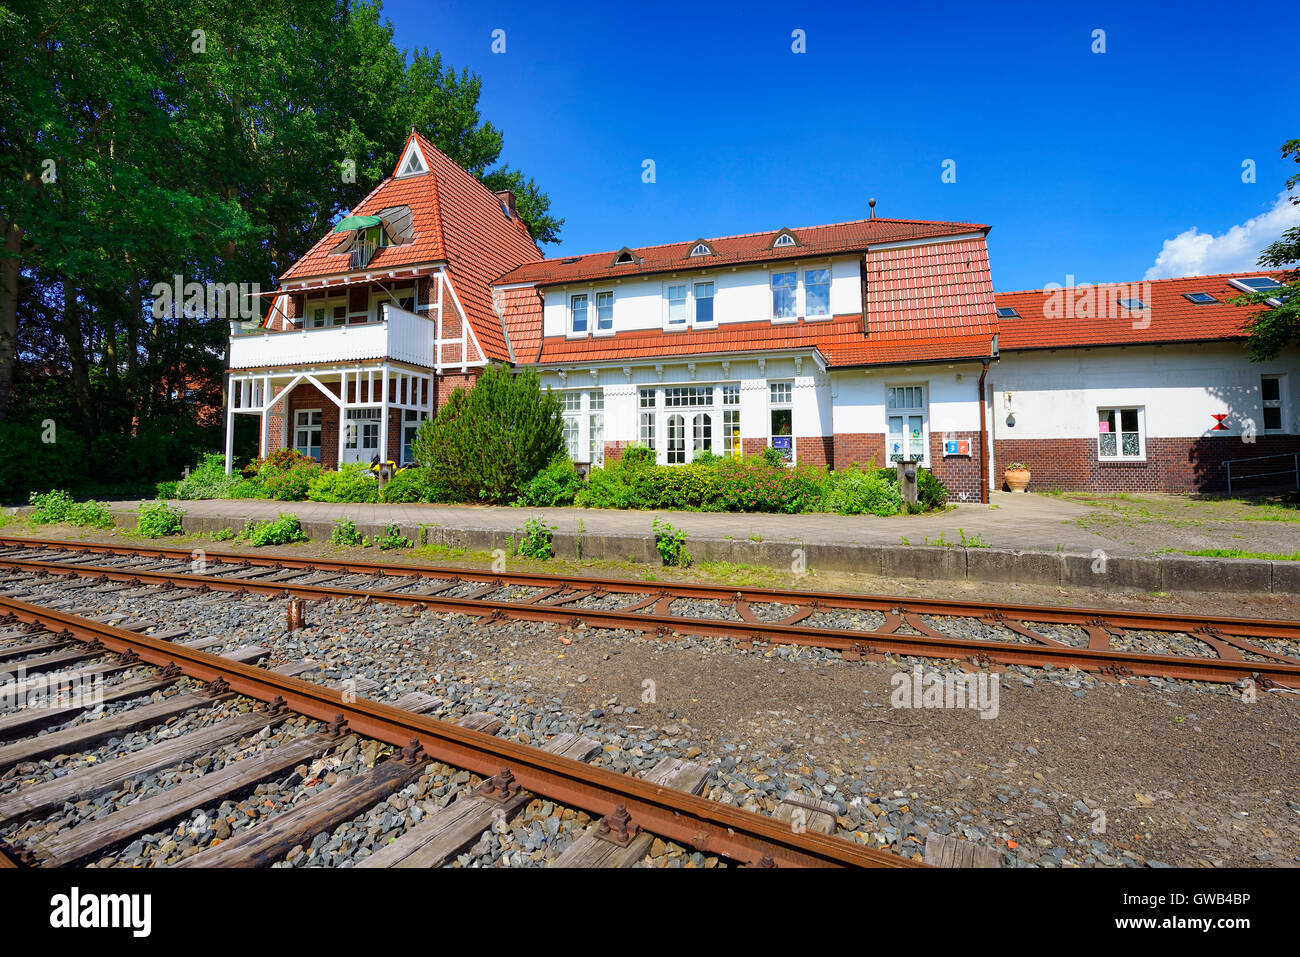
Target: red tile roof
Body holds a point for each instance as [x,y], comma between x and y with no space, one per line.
[521,308]
[934,288]
[457,220]
[925,303]
[732,250]
[839,340]
[1091,316]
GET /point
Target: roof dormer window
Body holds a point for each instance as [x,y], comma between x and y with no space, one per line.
[625,257]
[413,164]
[785,239]
[702,248]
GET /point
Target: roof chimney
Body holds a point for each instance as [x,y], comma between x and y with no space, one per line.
[872,203]
[507,198]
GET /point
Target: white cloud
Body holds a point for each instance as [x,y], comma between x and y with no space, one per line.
[1194,253]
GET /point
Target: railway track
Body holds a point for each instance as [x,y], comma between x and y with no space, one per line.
[40,641]
[1111,644]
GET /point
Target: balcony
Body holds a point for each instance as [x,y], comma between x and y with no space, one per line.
[398,335]
[361,254]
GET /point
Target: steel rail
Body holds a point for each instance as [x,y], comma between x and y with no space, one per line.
[1102,660]
[708,826]
[1051,614]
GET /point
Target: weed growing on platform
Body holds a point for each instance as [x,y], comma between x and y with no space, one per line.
[345,533]
[537,540]
[671,544]
[57,506]
[156,519]
[285,530]
[392,538]
[224,535]
[973,541]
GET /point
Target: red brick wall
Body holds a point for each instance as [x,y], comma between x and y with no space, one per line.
[860,448]
[306,396]
[814,449]
[1172,465]
[958,472]
[614,451]
[752,446]
[449,383]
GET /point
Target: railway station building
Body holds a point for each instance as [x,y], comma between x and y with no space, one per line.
[865,341]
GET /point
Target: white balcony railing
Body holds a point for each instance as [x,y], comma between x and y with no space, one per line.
[399,335]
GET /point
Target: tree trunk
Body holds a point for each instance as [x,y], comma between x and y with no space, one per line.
[71,327]
[9,278]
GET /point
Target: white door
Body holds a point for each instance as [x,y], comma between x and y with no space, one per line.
[360,436]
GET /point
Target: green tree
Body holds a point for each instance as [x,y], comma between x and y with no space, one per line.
[1275,327]
[486,443]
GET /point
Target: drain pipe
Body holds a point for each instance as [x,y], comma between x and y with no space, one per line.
[984,440]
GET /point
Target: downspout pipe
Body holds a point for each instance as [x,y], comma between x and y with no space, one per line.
[984,439]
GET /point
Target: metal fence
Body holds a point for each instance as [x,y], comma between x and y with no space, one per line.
[1288,465]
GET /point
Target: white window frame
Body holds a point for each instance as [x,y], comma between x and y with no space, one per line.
[712,297]
[319,429]
[573,329]
[411,419]
[805,311]
[776,400]
[648,418]
[354,429]
[720,401]
[771,294]
[584,411]
[1119,435]
[310,306]
[685,322]
[596,300]
[908,411]
[1280,403]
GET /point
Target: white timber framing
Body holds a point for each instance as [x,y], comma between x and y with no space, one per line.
[391,388]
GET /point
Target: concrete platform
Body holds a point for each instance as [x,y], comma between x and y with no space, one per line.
[1017,538]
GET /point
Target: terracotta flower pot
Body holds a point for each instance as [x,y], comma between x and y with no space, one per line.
[1017,479]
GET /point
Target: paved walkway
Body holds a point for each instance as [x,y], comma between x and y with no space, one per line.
[1014,521]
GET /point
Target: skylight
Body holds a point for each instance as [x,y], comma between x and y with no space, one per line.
[1132,304]
[570,261]
[1200,298]
[1256,283]
[1007,312]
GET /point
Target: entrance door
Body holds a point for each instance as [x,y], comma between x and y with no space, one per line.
[360,435]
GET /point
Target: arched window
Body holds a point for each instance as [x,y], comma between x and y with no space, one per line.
[702,433]
[676,440]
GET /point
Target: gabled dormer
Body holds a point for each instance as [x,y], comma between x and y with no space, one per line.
[413,161]
[625,257]
[700,248]
[785,239]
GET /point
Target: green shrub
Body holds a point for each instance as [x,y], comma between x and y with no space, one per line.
[90,513]
[557,484]
[51,507]
[208,480]
[412,484]
[671,543]
[392,538]
[772,457]
[166,490]
[248,488]
[486,443]
[853,492]
[930,492]
[636,457]
[537,540]
[224,535]
[345,533]
[283,531]
[156,519]
[353,482]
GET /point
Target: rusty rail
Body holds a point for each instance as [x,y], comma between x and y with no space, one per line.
[706,825]
[1226,636]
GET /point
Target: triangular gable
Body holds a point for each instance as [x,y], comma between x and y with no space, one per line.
[413,161]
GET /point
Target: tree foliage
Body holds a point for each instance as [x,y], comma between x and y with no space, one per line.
[213,140]
[487,442]
[1275,327]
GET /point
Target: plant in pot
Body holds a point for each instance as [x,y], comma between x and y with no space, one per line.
[1017,476]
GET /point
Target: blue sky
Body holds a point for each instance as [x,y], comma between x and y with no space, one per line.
[1084,163]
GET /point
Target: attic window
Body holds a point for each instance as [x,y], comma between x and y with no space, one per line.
[701,248]
[570,261]
[1200,298]
[1256,283]
[783,239]
[1132,304]
[414,163]
[1007,312]
[625,257]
